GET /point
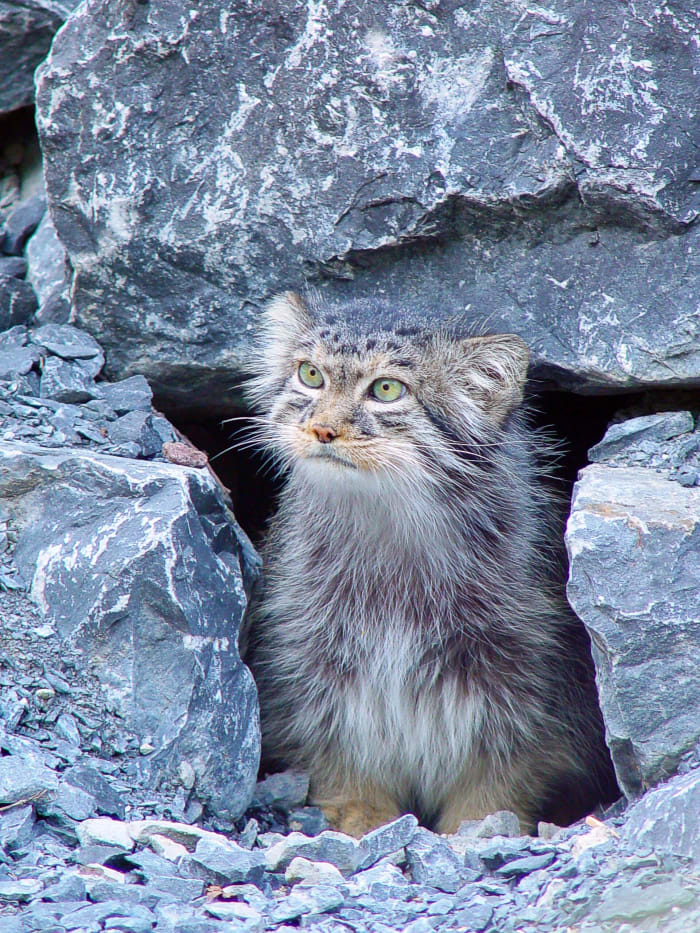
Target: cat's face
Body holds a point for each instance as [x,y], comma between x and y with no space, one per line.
[387,403]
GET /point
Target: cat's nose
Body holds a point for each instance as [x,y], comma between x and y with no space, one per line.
[324,433]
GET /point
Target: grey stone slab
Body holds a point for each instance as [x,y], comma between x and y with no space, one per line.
[19,891]
[66,805]
[22,779]
[667,817]
[346,853]
[659,428]
[633,539]
[16,336]
[26,31]
[132,394]
[432,862]
[47,262]
[389,838]
[107,800]
[529,168]
[17,361]
[286,790]
[66,382]
[16,826]
[136,428]
[518,867]
[14,266]
[141,566]
[17,301]
[316,899]
[66,341]
[228,863]
[21,223]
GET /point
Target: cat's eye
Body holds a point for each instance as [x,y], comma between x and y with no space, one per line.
[387,390]
[310,375]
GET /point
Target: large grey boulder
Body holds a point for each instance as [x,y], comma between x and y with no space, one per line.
[527,166]
[141,567]
[633,539]
[26,31]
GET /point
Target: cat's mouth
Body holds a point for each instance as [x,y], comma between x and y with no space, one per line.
[330,455]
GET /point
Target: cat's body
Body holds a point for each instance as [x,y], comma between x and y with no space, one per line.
[409,647]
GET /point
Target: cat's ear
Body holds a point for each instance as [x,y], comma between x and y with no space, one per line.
[495,370]
[285,326]
[286,318]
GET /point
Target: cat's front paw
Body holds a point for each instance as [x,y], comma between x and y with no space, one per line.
[356,817]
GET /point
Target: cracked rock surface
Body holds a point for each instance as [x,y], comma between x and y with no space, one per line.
[633,539]
[528,167]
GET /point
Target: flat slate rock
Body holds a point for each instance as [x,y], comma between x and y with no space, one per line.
[667,818]
[633,540]
[17,301]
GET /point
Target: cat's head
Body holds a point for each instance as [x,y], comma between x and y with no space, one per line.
[388,401]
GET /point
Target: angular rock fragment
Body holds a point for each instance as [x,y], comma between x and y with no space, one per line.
[68,342]
[47,267]
[226,862]
[19,890]
[312,900]
[132,394]
[346,853]
[661,427]
[633,540]
[389,838]
[666,819]
[66,382]
[136,430]
[17,361]
[26,31]
[23,780]
[21,223]
[433,862]
[286,790]
[307,872]
[17,301]
[13,266]
[104,831]
[140,566]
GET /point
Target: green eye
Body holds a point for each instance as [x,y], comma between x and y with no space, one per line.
[310,375]
[387,390]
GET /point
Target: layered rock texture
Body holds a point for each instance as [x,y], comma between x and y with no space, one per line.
[634,549]
[528,167]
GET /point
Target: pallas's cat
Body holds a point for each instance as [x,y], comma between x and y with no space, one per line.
[410,648]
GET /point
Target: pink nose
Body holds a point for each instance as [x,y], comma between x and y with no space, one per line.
[324,432]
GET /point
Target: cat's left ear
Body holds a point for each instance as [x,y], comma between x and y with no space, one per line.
[495,368]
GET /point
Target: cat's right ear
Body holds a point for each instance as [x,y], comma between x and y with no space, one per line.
[286,318]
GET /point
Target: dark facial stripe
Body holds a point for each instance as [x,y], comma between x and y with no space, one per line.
[464,447]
